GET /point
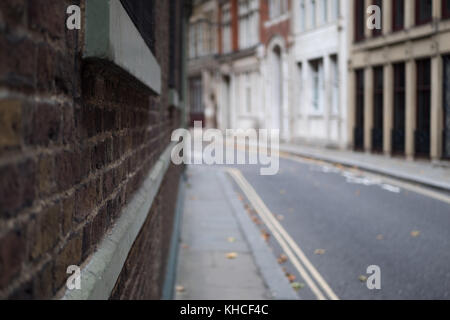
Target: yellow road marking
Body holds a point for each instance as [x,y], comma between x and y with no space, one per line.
[292,250]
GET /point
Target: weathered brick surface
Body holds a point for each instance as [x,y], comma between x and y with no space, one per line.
[77,139]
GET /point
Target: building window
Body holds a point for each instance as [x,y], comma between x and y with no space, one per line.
[377,32]
[299,87]
[335,85]
[324,15]
[398,15]
[248,92]
[277,8]
[336,9]
[445,9]
[398,133]
[424,11]
[360,13]
[302,15]
[377,130]
[317,84]
[226,28]
[196,95]
[248,23]
[313,13]
[423,114]
[359,112]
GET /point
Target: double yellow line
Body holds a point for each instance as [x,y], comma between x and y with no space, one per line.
[307,271]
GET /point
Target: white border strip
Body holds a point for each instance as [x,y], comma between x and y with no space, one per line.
[111,35]
[100,275]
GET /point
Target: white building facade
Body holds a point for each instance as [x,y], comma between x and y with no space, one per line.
[318,83]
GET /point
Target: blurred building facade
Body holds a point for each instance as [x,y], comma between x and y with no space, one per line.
[247,67]
[314,70]
[399,81]
[319,84]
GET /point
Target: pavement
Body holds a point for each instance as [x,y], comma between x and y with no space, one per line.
[222,254]
[432,174]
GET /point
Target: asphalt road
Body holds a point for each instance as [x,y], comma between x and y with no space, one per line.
[346,220]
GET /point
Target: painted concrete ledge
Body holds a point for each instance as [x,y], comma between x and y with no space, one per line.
[408,177]
[100,275]
[111,35]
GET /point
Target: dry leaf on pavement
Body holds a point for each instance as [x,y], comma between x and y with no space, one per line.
[291,277]
[297,286]
[265,235]
[180,289]
[231,255]
[415,233]
[319,252]
[362,278]
[282,258]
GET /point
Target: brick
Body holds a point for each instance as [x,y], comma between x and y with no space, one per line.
[13,13]
[18,69]
[17,187]
[45,67]
[12,253]
[67,169]
[99,155]
[68,124]
[10,123]
[44,125]
[43,283]
[68,211]
[45,175]
[48,16]
[108,183]
[69,255]
[44,231]
[87,198]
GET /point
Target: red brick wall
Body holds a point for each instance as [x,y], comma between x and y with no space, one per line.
[280,29]
[143,274]
[77,138]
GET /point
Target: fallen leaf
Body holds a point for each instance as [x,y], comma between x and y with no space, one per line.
[256,220]
[291,277]
[319,252]
[231,239]
[280,217]
[415,233]
[362,278]
[357,193]
[282,258]
[297,286]
[231,255]
[380,237]
[265,235]
[180,289]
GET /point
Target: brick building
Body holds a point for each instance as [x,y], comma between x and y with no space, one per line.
[85,123]
[237,88]
[399,79]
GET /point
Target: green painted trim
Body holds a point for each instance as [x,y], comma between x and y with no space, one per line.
[97,29]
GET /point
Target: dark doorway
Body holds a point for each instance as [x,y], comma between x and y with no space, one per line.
[377,130]
[359,111]
[197,112]
[446,149]
[398,131]
[423,112]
